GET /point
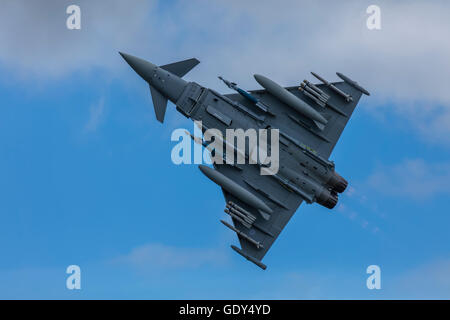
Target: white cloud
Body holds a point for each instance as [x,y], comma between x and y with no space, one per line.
[96,115]
[404,65]
[407,59]
[35,42]
[429,281]
[160,256]
[415,179]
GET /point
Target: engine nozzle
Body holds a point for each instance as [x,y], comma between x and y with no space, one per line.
[327,198]
[337,183]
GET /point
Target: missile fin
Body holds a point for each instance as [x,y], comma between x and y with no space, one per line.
[265,215]
[319,125]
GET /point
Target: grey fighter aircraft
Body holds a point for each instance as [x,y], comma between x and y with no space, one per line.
[310,119]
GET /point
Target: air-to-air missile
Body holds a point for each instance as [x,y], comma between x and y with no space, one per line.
[247,95]
[240,214]
[237,218]
[291,100]
[235,189]
[243,235]
[321,94]
[346,96]
[306,85]
[217,153]
[231,204]
[313,95]
[353,83]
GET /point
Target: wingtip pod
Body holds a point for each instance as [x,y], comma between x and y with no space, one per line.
[235,189]
[249,258]
[353,83]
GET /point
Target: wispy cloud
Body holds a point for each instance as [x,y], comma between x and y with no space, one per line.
[96,115]
[406,59]
[405,63]
[412,178]
[428,281]
[42,46]
[161,256]
[435,129]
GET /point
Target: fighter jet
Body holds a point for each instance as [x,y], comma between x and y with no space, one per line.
[310,119]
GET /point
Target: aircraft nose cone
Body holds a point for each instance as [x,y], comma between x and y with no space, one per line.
[140,66]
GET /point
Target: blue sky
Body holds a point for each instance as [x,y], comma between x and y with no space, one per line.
[87,179]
